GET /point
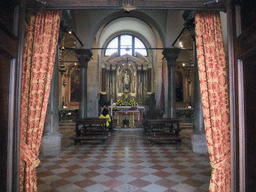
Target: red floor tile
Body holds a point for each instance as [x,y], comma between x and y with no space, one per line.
[133,161]
[85,183]
[59,183]
[112,183]
[139,183]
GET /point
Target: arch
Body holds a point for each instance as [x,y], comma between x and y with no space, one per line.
[104,19]
[125,24]
[140,36]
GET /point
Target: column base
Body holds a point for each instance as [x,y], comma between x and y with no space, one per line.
[199,143]
[51,145]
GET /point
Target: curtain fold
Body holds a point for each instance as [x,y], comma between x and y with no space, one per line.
[214,91]
[38,60]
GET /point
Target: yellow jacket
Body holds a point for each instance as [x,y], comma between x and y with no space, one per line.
[106,117]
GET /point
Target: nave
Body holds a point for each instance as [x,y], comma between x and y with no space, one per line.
[126,162]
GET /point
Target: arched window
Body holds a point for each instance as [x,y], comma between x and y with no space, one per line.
[126,44]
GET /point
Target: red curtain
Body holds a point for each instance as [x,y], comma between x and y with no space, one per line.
[38,60]
[215,98]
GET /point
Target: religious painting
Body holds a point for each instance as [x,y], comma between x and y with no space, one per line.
[179,86]
[75,91]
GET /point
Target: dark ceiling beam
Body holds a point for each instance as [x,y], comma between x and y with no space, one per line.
[138,4]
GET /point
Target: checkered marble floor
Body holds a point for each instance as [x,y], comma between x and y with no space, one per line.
[126,162]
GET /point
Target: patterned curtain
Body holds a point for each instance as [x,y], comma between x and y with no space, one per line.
[214,91]
[38,60]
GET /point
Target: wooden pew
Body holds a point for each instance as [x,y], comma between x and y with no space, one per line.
[165,129]
[92,129]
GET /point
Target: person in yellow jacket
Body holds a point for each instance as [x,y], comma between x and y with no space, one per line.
[105,115]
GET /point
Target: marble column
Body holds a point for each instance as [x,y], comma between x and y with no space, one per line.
[51,141]
[198,137]
[84,56]
[171,54]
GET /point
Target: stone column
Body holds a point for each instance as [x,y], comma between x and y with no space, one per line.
[84,56]
[171,54]
[51,141]
[198,138]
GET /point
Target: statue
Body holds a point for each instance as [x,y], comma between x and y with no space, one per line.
[126,81]
[126,78]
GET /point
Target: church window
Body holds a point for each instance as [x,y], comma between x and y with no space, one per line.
[112,47]
[126,44]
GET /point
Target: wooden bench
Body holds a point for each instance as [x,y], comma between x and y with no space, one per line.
[91,129]
[164,138]
[162,130]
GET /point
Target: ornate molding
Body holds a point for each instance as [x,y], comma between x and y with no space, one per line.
[138,4]
[115,60]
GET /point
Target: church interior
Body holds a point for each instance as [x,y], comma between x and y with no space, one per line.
[127,62]
[122,62]
[127,95]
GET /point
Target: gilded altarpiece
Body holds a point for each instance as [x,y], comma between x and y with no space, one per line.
[126,76]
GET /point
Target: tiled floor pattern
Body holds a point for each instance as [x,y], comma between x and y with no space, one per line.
[127,162]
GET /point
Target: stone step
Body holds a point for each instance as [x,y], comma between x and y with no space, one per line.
[67,127]
[63,123]
[67,124]
[67,121]
[186,125]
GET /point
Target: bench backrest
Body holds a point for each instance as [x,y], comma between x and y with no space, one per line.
[91,121]
[164,121]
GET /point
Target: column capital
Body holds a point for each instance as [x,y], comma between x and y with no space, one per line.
[83,55]
[171,54]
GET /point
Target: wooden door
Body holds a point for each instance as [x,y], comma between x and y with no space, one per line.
[248,166]
[246,55]
[10,73]
[242,25]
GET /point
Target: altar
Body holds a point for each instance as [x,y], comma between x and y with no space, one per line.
[127,81]
[126,115]
[139,108]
